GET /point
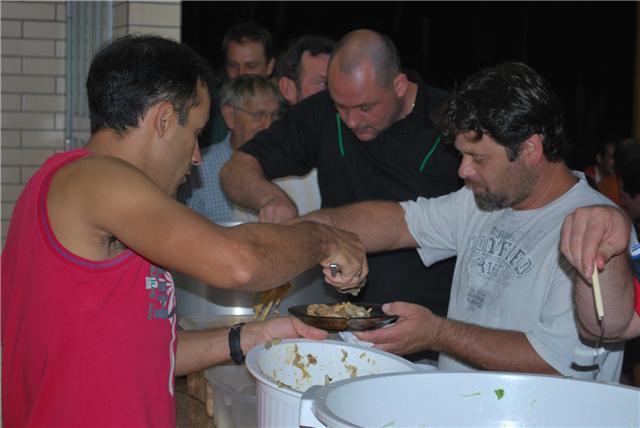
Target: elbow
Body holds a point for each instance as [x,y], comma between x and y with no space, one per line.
[239,272]
[237,276]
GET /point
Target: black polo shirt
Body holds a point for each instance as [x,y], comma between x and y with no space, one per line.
[403,162]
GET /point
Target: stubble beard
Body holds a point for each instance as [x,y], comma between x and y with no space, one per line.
[517,186]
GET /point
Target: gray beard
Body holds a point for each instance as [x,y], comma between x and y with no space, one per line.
[498,201]
[491,202]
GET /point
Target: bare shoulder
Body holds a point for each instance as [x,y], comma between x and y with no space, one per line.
[89,199]
[95,171]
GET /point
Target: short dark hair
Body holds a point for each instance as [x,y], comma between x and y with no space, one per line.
[249,31]
[509,102]
[131,74]
[288,64]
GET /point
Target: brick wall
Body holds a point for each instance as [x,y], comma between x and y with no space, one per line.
[160,17]
[33,44]
[33,81]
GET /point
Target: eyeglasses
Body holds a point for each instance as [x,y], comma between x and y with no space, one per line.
[260,116]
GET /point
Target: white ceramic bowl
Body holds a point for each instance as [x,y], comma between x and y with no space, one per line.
[285,370]
[470,399]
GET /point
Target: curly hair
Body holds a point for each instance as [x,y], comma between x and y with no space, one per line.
[509,102]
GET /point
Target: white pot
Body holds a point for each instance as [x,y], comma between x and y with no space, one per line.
[469,399]
[282,379]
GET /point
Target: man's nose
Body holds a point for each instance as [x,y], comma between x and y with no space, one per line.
[465,170]
[351,118]
[196,159]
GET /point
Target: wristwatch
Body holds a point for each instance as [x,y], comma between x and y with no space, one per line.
[235,349]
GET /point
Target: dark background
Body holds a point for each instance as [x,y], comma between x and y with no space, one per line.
[584,49]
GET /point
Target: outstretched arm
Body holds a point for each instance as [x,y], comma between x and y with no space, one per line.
[243,181]
[380,225]
[201,349]
[105,197]
[417,329]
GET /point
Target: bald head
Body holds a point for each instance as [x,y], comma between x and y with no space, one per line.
[362,50]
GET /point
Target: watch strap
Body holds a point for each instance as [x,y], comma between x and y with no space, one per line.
[235,349]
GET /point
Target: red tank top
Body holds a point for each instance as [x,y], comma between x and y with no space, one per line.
[85,343]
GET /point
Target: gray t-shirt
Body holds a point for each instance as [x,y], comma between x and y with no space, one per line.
[510,274]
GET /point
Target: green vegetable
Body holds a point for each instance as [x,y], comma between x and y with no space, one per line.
[499,393]
[473,394]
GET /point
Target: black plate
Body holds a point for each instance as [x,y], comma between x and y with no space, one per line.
[376,320]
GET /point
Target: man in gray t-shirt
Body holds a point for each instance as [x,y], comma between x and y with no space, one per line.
[511,306]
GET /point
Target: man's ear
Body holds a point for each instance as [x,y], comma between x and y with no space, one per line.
[532,149]
[228,116]
[164,114]
[288,89]
[400,85]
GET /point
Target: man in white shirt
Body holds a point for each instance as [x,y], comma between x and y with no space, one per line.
[511,306]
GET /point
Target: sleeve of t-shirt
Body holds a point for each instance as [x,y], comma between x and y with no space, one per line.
[431,222]
[289,146]
[555,336]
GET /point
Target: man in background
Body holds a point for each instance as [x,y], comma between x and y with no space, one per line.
[249,103]
[629,179]
[602,176]
[248,49]
[302,69]
[301,72]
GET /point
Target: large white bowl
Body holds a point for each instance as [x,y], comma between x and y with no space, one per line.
[470,399]
[285,370]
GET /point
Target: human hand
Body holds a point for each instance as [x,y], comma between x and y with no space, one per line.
[415,330]
[594,233]
[258,332]
[277,210]
[351,259]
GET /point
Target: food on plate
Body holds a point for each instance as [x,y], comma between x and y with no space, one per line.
[339,310]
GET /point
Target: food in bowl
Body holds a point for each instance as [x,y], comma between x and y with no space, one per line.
[339,310]
[281,381]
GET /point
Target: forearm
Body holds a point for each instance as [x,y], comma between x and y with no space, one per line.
[379,225]
[245,184]
[616,285]
[489,349]
[256,257]
[198,350]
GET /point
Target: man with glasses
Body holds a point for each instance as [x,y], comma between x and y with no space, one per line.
[249,104]
[248,50]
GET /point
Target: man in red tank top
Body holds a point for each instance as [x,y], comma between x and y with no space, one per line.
[88,309]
